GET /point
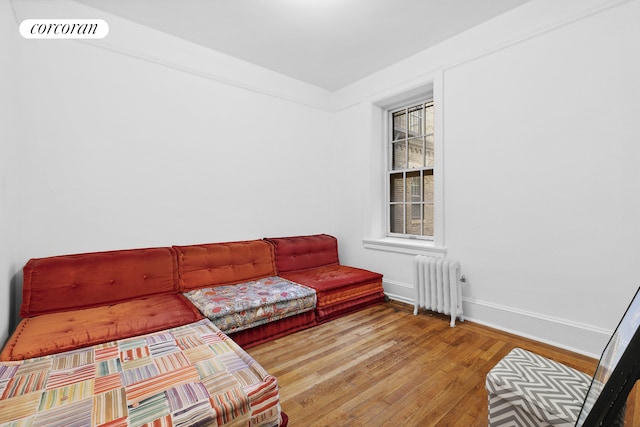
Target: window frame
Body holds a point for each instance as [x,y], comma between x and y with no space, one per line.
[390,141]
[428,85]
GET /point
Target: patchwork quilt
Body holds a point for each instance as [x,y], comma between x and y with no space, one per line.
[184,376]
[233,308]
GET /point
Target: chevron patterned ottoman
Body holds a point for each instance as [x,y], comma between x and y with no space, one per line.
[526,389]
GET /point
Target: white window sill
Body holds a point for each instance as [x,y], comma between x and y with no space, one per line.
[405,246]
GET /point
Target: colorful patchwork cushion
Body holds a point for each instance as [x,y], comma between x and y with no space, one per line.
[189,375]
[245,305]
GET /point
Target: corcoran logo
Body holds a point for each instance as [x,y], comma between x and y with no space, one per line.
[64,29]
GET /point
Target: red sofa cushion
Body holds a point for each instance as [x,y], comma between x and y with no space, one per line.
[304,252]
[70,282]
[57,332]
[216,264]
[337,283]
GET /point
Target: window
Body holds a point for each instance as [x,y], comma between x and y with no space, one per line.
[406,200]
[410,171]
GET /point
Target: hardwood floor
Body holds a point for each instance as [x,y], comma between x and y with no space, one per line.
[383,366]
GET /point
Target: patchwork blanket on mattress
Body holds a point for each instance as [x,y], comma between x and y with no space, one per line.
[233,308]
[184,376]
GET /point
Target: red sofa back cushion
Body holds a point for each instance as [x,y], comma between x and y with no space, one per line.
[70,282]
[214,264]
[304,252]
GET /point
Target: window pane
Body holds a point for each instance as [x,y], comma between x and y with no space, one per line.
[416,121]
[414,193]
[427,186]
[429,151]
[399,125]
[428,120]
[415,212]
[396,186]
[414,224]
[416,153]
[428,219]
[396,219]
[399,155]
[411,186]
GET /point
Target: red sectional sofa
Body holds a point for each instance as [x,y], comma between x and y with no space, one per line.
[121,326]
[78,300]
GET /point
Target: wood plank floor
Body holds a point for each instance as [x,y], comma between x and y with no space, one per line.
[382,366]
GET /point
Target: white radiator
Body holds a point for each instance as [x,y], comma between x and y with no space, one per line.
[437,286]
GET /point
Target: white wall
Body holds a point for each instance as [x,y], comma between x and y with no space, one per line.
[119,149]
[540,178]
[120,152]
[550,129]
[126,149]
[9,132]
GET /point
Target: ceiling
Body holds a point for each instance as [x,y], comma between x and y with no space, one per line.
[327,43]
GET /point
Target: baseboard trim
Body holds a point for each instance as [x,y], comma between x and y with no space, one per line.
[399,298]
[574,336]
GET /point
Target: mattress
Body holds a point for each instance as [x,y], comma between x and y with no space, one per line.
[184,376]
[234,308]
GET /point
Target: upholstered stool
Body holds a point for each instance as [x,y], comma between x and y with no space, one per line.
[526,389]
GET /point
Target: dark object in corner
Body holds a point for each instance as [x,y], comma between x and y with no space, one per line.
[617,372]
